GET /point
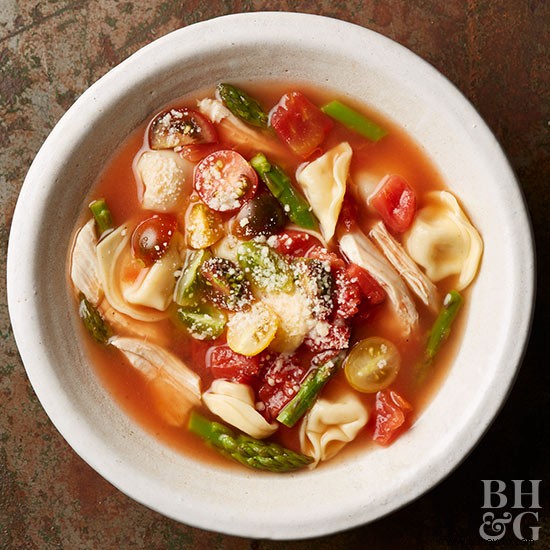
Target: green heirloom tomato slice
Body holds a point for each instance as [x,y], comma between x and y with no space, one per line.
[372,364]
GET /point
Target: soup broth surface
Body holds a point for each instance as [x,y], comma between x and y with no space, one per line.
[395,153]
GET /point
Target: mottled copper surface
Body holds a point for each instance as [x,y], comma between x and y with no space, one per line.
[496,52]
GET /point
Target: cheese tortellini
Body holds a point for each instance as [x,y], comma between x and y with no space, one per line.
[156,287]
[324,183]
[145,298]
[166,177]
[331,423]
[443,241]
[234,403]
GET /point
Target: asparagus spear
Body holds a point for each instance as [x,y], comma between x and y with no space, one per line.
[442,325]
[93,321]
[354,120]
[309,391]
[251,452]
[102,216]
[242,105]
[294,204]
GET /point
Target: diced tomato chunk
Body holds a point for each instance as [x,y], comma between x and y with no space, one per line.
[294,243]
[348,214]
[327,336]
[281,375]
[321,253]
[395,201]
[300,123]
[225,363]
[391,413]
[347,294]
[371,289]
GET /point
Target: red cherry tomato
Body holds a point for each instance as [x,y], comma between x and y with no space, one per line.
[391,413]
[225,363]
[395,201]
[300,123]
[151,238]
[225,181]
[180,126]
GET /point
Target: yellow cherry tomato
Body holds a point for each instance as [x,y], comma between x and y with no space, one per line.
[372,364]
[250,331]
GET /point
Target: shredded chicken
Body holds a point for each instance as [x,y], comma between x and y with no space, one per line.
[416,280]
[235,130]
[360,250]
[124,325]
[176,388]
[84,267]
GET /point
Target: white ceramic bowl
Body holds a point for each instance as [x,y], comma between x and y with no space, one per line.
[402,87]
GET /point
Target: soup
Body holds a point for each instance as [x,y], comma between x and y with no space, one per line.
[269,273]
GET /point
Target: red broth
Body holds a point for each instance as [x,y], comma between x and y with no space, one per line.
[396,153]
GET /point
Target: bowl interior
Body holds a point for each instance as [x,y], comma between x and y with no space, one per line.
[403,88]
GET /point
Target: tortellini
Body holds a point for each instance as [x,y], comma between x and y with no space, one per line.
[166,177]
[156,287]
[234,403]
[443,241]
[324,183]
[113,255]
[331,423]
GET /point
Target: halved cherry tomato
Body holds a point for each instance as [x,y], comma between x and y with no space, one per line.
[300,123]
[151,238]
[391,413]
[262,215]
[372,364]
[180,126]
[225,363]
[395,201]
[225,181]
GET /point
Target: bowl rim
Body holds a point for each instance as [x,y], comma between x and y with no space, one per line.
[22,303]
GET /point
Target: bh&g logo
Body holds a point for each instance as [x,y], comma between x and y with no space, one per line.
[521,517]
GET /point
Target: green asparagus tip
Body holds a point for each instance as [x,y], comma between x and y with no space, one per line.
[251,452]
[102,216]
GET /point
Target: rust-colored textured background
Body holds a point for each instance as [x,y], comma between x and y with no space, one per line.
[495,52]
